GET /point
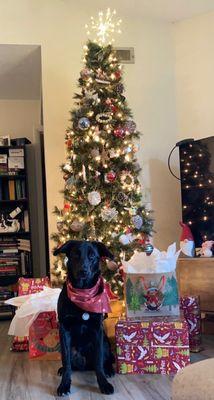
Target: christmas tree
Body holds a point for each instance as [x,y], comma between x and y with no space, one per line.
[102,193]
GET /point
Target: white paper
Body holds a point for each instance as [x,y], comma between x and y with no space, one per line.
[30,306]
[16,162]
[157,262]
[16,152]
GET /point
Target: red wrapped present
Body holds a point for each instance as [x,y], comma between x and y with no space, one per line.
[157,346]
[192,313]
[44,337]
[32,285]
[27,286]
[20,343]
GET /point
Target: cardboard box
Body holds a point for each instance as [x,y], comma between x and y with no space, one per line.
[157,346]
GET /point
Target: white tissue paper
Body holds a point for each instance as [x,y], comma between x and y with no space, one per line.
[151,284]
[30,306]
[158,261]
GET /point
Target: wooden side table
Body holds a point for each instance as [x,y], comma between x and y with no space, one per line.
[196,277]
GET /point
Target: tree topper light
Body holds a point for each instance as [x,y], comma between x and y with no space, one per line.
[104,27]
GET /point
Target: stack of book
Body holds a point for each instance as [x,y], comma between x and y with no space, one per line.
[9,257]
[6,311]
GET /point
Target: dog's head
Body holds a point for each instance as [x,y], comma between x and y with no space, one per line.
[83,261]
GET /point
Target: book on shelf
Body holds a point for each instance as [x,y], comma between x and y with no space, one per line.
[10,250]
[23,189]
[5,191]
[24,244]
[3,164]
[18,189]
[8,271]
[23,266]
[5,293]
[26,221]
[11,184]
[4,307]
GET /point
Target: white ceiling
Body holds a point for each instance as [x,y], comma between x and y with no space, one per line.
[20,72]
[165,10]
[174,10]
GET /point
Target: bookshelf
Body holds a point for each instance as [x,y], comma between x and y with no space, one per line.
[15,234]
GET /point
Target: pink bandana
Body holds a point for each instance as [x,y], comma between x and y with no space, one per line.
[90,299]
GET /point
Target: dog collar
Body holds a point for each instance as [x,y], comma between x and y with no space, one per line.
[94,299]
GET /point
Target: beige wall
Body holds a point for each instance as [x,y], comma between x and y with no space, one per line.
[58,26]
[19,118]
[194,73]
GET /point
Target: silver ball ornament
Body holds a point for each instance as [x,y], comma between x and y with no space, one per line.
[84,123]
[94,198]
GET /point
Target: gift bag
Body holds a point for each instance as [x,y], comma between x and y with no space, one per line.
[27,286]
[44,337]
[151,287]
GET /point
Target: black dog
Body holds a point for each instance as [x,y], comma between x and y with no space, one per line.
[84,345]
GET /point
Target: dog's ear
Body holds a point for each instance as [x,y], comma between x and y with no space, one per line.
[103,250]
[66,247]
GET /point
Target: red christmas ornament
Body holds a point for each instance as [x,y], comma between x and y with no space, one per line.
[119,132]
[128,230]
[110,176]
[69,143]
[113,108]
[67,207]
[117,74]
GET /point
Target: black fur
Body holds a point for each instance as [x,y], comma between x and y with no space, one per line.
[84,345]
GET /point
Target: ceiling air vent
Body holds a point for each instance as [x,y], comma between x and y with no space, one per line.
[125,54]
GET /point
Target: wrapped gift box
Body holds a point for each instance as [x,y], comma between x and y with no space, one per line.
[192,313]
[158,346]
[32,285]
[44,337]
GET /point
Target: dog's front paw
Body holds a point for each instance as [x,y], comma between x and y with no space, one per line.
[105,387]
[64,388]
